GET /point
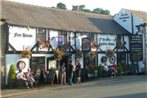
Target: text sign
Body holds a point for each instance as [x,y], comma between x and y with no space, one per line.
[21,38]
[136,47]
[106,41]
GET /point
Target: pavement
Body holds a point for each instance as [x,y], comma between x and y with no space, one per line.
[5,93]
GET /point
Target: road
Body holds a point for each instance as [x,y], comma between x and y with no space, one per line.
[119,87]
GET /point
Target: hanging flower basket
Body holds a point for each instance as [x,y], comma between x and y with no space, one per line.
[79,53]
[43,43]
[92,53]
[110,53]
[94,44]
[26,53]
[58,54]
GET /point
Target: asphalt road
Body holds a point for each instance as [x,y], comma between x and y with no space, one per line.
[120,87]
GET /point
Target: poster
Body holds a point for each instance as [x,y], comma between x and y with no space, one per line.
[52,64]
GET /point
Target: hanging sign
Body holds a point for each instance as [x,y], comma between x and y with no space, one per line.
[61,40]
[86,44]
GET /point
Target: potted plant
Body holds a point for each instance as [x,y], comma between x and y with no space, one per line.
[120,69]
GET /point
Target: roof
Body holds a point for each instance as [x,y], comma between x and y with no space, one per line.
[140,14]
[57,19]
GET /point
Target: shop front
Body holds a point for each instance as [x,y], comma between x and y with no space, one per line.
[42,44]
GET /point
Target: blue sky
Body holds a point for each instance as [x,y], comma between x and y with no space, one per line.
[113,5]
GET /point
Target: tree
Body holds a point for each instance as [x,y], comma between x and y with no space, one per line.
[83,8]
[61,6]
[80,8]
[86,10]
[107,12]
[101,11]
[75,8]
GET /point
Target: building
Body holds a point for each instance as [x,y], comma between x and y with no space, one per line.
[30,27]
[135,23]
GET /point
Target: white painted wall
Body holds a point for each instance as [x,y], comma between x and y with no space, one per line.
[126,39]
[106,41]
[123,18]
[108,60]
[137,21]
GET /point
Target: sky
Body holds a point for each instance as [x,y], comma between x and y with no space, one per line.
[114,6]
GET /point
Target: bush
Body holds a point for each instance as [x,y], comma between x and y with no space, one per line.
[121,69]
[12,76]
[100,69]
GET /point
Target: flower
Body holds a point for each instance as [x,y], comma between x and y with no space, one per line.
[26,53]
[94,44]
[58,54]
[92,53]
[109,53]
[43,43]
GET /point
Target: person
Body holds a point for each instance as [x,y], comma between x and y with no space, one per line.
[70,68]
[78,72]
[30,77]
[114,70]
[37,75]
[42,76]
[63,74]
[22,78]
[106,69]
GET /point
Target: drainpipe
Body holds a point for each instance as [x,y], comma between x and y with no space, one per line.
[145,47]
[134,66]
[3,49]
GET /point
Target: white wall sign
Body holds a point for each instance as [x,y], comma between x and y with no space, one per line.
[106,41]
[21,38]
